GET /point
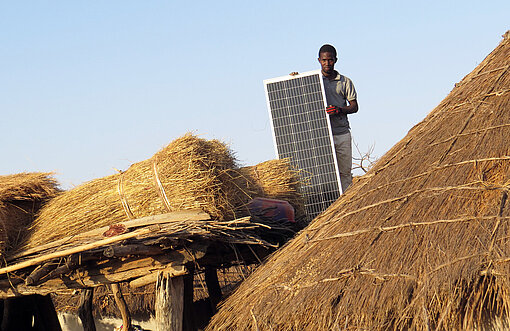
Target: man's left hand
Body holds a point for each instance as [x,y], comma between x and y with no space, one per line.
[332,110]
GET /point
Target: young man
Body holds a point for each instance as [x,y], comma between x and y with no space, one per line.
[341,98]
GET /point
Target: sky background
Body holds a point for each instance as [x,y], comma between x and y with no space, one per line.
[87,87]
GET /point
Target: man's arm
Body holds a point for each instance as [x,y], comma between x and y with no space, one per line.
[351,108]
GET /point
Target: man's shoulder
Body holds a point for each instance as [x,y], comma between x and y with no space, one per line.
[343,78]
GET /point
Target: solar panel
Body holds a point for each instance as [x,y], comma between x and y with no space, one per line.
[302,133]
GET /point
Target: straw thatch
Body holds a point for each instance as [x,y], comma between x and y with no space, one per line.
[21,196]
[275,179]
[188,173]
[422,241]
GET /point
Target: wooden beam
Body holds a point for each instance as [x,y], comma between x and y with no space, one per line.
[169,303]
[39,272]
[78,249]
[135,249]
[109,271]
[85,310]
[177,216]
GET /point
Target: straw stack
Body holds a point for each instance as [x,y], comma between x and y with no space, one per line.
[21,196]
[188,173]
[276,179]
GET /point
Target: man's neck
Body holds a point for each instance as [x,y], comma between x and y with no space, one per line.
[331,75]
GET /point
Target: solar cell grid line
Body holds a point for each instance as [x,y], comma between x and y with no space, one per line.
[301,132]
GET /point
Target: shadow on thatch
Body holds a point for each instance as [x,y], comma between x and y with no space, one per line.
[420,242]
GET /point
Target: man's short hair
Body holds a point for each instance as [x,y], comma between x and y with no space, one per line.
[327,48]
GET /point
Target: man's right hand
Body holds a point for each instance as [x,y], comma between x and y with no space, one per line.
[294,73]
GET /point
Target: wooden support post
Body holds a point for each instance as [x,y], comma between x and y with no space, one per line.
[121,303]
[169,302]
[85,310]
[189,317]
[213,287]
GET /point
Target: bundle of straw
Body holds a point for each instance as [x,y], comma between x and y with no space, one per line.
[21,196]
[275,179]
[188,173]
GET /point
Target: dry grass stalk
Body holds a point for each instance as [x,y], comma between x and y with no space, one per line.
[420,242]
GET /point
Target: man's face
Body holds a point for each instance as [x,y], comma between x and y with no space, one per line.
[327,61]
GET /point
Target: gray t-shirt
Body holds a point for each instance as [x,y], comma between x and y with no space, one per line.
[338,91]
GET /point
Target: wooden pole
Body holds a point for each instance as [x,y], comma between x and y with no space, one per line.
[169,302]
[85,310]
[189,317]
[213,286]
[121,303]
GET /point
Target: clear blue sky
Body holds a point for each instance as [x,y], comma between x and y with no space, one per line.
[89,86]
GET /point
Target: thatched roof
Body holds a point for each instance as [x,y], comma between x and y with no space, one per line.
[21,196]
[421,241]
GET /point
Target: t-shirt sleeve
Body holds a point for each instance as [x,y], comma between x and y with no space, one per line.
[350,91]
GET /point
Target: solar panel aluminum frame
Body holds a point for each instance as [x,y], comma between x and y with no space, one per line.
[326,116]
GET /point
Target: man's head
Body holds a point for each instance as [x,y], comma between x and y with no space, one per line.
[327,59]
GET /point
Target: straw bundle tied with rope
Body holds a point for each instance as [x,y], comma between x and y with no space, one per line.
[422,241]
[189,173]
[21,196]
